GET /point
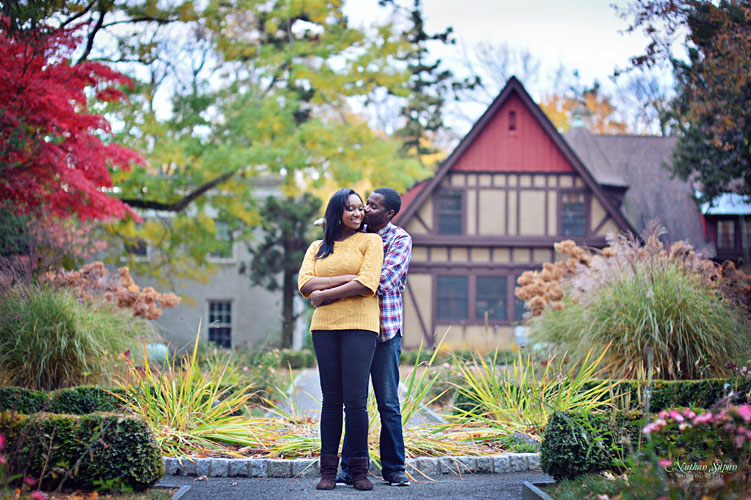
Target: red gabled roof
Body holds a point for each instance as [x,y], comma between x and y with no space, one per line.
[485,148]
[408,198]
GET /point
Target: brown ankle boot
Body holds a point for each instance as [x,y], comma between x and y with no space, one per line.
[358,467]
[329,464]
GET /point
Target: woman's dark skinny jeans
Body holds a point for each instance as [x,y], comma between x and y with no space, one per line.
[344,358]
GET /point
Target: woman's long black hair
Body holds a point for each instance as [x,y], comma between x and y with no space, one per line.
[333,220]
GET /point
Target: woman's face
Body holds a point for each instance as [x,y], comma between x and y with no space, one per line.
[353,212]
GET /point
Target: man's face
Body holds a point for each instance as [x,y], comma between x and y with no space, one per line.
[376,214]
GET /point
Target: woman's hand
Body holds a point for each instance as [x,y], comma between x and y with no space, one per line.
[317,298]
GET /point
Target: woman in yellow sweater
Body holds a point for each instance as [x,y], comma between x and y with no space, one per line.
[340,275]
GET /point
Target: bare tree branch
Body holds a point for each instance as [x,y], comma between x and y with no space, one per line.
[180,205]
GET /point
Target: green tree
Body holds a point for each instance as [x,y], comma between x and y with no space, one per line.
[264,90]
[288,230]
[713,93]
[430,83]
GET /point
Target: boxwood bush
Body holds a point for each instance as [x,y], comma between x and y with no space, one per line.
[100,450]
[578,442]
[79,400]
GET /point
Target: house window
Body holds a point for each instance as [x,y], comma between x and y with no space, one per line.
[512,120]
[746,232]
[726,234]
[490,298]
[138,248]
[450,212]
[573,214]
[220,323]
[223,244]
[453,298]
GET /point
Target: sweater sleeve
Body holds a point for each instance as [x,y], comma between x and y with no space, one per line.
[370,270]
[307,269]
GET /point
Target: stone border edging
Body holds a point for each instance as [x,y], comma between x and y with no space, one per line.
[308,467]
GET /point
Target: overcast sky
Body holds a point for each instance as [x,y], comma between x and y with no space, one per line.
[583,35]
[586,35]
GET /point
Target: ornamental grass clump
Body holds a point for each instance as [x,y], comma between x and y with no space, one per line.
[192,411]
[50,339]
[519,400]
[691,313]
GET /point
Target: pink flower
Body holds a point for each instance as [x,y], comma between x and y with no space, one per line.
[744,411]
[688,413]
[29,481]
[654,426]
[703,418]
[2,442]
[38,495]
[677,417]
[663,414]
[683,426]
[2,460]
[739,440]
[664,462]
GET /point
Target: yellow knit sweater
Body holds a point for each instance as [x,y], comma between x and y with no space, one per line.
[360,254]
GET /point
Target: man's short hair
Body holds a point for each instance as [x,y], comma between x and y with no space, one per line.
[392,199]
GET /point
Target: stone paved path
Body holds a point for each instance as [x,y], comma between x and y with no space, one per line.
[307,394]
[468,487]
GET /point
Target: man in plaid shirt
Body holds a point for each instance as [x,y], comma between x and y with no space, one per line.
[382,205]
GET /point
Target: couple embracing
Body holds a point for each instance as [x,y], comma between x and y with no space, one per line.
[355,277]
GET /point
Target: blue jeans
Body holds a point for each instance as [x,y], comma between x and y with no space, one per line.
[385,376]
[344,358]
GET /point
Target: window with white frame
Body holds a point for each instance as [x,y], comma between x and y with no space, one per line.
[220,323]
[137,248]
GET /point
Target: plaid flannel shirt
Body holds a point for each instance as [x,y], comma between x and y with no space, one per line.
[397,252]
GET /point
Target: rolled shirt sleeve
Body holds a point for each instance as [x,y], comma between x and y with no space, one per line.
[370,270]
[307,269]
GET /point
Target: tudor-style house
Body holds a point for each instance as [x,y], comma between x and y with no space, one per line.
[512,188]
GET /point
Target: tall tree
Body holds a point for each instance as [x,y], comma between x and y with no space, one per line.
[288,230]
[55,152]
[713,86]
[591,104]
[259,89]
[429,85]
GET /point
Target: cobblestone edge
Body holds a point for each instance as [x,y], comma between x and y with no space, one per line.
[308,467]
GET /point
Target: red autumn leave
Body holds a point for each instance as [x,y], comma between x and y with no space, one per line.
[52,156]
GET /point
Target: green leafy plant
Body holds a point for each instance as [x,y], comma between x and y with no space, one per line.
[519,399]
[51,339]
[190,409]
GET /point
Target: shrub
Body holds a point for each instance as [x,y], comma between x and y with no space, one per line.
[666,394]
[582,442]
[50,339]
[82,452]
[82,400]
[22,400]
[686,310]
[79,400]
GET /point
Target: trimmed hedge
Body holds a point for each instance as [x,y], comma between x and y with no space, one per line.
[101,450]
[665,394]
[80,400]
[23,400]
[578,442]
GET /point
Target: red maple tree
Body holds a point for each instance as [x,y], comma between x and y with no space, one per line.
[53,155]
